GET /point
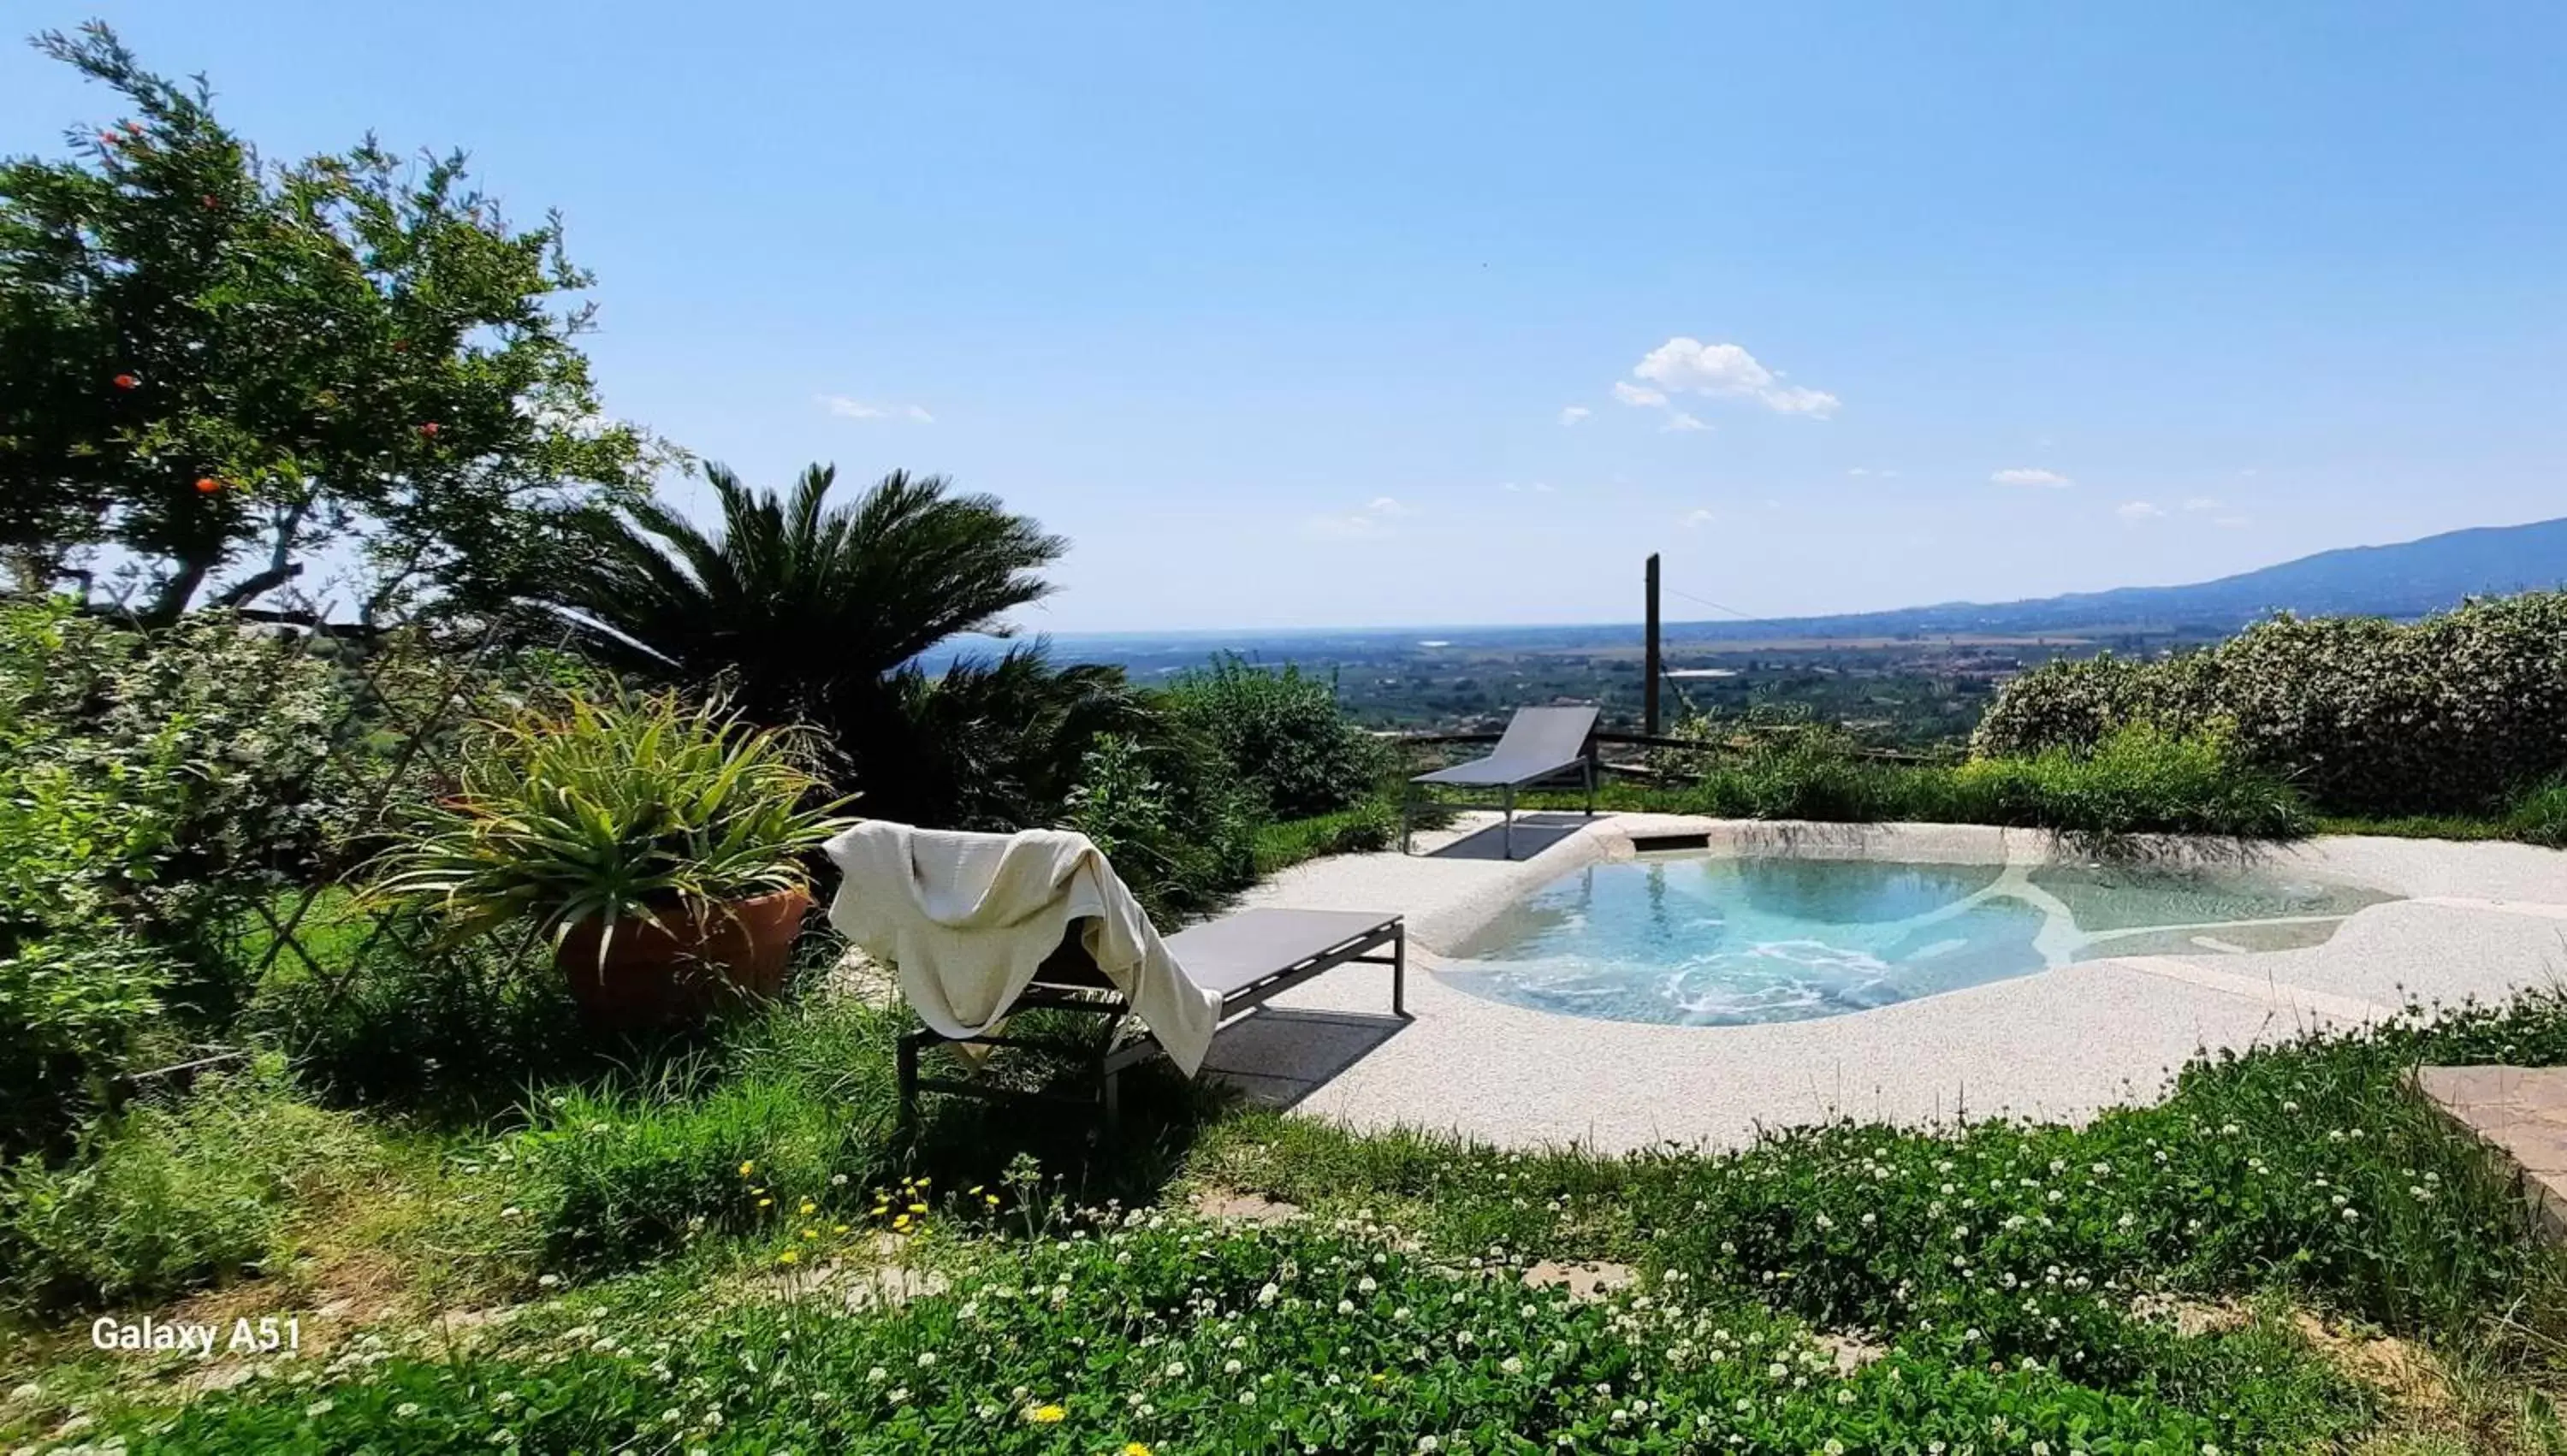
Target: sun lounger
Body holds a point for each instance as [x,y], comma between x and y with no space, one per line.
[1245,959]
[1541,745]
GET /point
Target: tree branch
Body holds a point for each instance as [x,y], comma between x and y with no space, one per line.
[281,567]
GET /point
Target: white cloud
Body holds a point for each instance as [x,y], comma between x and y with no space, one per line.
[1536,487]
[1679,420]
[2200,502]
[1686,366]
[1796,399]
[1575,414]
[850,409]
[1373,520]
[1694,519]
[2023,477]
[1341,527]
[2137,510]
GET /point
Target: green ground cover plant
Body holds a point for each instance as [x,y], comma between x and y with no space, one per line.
[171,1195]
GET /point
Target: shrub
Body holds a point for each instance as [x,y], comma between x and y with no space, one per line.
[1368,826]
[1175,826]
[164,1199]
[612,810]
[2135,780]
[2364,714]
[801,1106]
[2539,816]
[1282,732]
[1803,773]
[382,1015]
[2140,780]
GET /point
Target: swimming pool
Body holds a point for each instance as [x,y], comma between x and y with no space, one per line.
[1717,939]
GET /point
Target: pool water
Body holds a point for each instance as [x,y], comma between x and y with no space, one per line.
[1715,940]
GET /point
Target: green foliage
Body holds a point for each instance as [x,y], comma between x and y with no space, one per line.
[1150,1333]
[165,1199]
[2365,716]
[2539,815]
[205,358]
[805,612]
[1176,827]
[383,1014]
[802,1104]
[990,744]
[2135,780]
[2139,779]
[2311,1166]
[612,812]
[149,786]
[1368,826]
[1283,731]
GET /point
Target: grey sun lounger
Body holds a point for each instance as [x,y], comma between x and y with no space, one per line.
[1541,745]
[1245,959]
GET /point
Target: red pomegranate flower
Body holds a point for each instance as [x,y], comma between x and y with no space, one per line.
[207,486]
[127,382]
[429,429]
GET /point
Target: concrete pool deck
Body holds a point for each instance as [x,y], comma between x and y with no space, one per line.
[2478,920]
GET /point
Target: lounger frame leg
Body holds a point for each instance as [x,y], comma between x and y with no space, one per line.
[1589,766]
[1399,971]
[909,1080]
[1407,812]
[1508,834]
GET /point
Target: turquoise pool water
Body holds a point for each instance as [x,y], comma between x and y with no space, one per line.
[1714,939]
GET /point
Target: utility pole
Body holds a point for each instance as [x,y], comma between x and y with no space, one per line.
[1649,657]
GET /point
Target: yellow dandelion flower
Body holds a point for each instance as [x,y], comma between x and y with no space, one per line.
[757,1190]
[974,1188]
[807,1206]
[923,1182]
[765,1202]
[991,1199]
[788,1257]
[918,1208]
[1135,1448]
[810,1233]
[749,1168]
[1047,1415]
[901,1222]
[837,1228]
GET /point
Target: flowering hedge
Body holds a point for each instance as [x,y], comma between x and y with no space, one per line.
[2364,714]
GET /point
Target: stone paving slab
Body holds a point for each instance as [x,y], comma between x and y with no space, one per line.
[2522,1112]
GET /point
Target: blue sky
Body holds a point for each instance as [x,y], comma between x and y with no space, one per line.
[1282,312]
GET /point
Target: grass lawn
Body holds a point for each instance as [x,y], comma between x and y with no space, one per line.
[729,1250]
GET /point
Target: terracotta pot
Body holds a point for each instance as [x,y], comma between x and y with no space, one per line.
[688,965]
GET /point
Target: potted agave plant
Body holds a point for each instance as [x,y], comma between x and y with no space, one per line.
[658,845]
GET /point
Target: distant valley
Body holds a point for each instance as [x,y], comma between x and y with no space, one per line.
[1914,675]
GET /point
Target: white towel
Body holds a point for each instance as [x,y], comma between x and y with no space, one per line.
[967,918]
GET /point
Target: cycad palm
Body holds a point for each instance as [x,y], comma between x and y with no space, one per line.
[802,607]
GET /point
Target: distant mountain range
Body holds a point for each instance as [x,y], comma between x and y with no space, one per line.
[2408,579]
[2405,580]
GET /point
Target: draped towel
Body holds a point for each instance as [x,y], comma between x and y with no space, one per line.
[964,920]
